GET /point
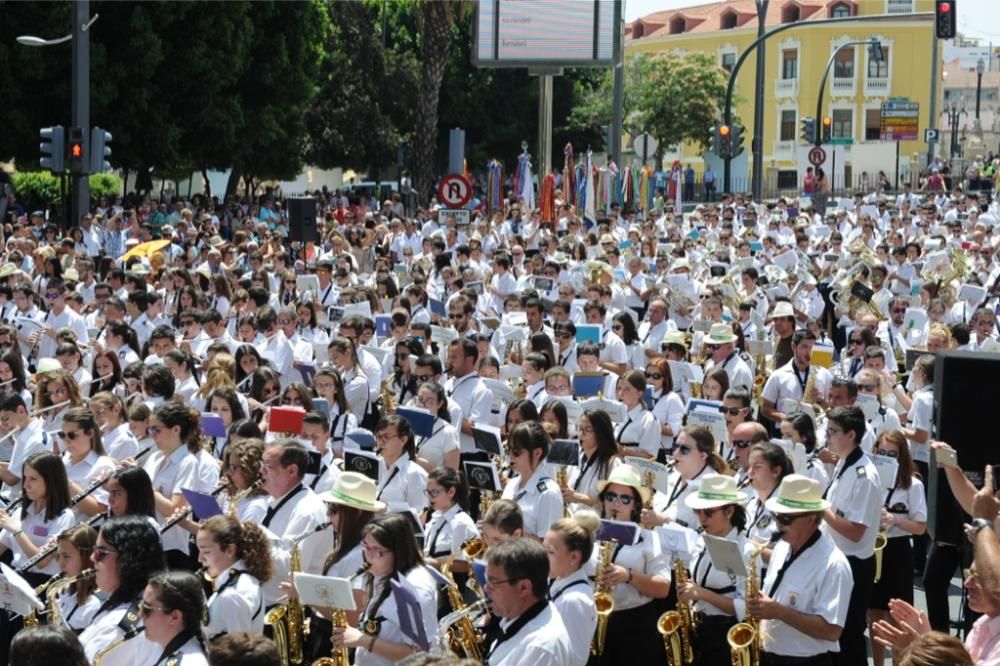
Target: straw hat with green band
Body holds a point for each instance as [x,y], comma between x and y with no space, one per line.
[715,490]
[626,475]
[720,334]
[354,490]
[797,494]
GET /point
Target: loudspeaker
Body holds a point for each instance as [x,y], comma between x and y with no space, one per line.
[302,220]
[965,388]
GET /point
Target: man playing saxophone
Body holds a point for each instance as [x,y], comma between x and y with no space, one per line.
[717,597]
[794,378]
[802,606]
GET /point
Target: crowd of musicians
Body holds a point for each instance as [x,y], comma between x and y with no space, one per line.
[114,362]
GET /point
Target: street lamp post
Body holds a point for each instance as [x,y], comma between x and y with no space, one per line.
[954,111]
[977,129]
[80,96]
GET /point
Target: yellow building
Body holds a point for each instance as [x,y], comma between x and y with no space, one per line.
[855,90]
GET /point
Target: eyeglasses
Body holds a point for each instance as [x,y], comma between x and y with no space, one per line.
[564,335]
[682,449]
[654,375]
[188,322]
[834,431]
[624,500]
[497,583]
[586,431]
[888,453]
[53,295]
[732,411]
[385,437]
[433,493]
[69,436]
[100,552]
[146,609]
[868,387]
[898,311]
[857,342]
[708,513]
[455,315]
[153,430]
[285,321]
[374,550]
[787,519]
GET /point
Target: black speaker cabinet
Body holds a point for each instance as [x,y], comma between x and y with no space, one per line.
[302,220]
[966,386]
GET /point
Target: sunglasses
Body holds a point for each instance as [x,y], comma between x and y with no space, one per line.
[708,513]
[741,443]
[787,519]
[423,378]
[682,449]
[887,453]
[100,552]
[69,436]
[899,311]
[857,342]
[624,500]
[53,295]
[565,336]
[455,316]
[146,609]
[654,375]
[867,387]
[732,411]
[153,430]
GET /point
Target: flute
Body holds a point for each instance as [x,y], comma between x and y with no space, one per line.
[93,380]
[41,411]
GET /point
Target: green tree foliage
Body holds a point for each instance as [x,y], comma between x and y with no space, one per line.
[42,187]
[674,98]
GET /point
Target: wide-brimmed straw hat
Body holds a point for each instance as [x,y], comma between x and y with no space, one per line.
[354,490]
[797,494]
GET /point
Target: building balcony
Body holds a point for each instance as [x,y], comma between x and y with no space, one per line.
[784,150]
[876,87]
[843,87]
[786,88]
[899,7]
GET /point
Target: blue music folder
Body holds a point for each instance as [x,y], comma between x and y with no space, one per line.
[212,425]
[383,325]
[588,333]
[437,307]
[622,532]
[411,617]
[587,386]
[203,506]
[648,397]
[420,420]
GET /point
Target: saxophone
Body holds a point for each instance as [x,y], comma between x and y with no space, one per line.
[685,612]
[463,635]
[388,399]
[240,496]
[460,618]
[808,390]
[31,619]
[340,655]
[667,625]
[562,478]
[129,635]
[287,621]
[881,539]
[604,602]
[55,588]
[744,638]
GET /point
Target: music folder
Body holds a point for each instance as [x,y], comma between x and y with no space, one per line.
[212,425]
[487,439]
[363,462]
[482,475]
[421,420]
[411,617]
[203,506]
[324,591]
[726,555]
[564,452]
[622,532]
[16,595]
[586,385]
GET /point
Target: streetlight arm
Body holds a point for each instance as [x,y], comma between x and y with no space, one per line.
[31,40]
[822,82]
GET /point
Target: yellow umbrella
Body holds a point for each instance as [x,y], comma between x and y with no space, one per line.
[146,249]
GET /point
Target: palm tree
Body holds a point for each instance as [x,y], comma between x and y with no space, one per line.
[437,17]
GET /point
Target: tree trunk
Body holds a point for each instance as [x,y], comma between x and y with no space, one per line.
[234,180]
[124,182]
[208,185]
[436,19]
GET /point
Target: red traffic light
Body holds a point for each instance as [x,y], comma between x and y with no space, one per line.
[76,150]
[944,7]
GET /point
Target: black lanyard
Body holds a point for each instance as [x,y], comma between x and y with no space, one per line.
[760,508]
[801,379]
[395,471]
[622,431]
[431,436]
[459,383]
[517,625]
[174,646]
[792,557]
[852,458]
[269,516]
[553,597]
[586,468]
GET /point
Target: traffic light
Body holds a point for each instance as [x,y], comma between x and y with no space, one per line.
[736,143]
[76,151]
[808,130]
[944,19]
[52,148]
[100,151]
[827,129]
[725,141]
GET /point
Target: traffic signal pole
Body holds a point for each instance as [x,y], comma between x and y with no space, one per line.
[79,185]
[822,84]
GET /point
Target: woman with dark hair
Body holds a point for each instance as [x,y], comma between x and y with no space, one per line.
[534,366]
[47,644]
[344,357]
[768,466]
[535,492]
[85,459]
[71,359]
[391,549]
[329,386]
[401,479]
[127,553]
[450,525]
[441,446]
[668,406]
[555,419]
[309,329]
[172,608]
[12,374]
[639,435]
[237,556]
[404,383]
[122,340]
[78,602]
[130,492]
[264,388]
[184,368]
[599,457]
[695,455]
[248,360]
[350,506]
[518,412]
[226,403]
[716,597]
[800,428]
[297,395]
[715,384]
[106,371]
[638,574]
[625,328]
[173,466]
[541,343]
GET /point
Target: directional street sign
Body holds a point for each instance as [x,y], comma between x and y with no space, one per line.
[900,120]
[817,156]
[454,190]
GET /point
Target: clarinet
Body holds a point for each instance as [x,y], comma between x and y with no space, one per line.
[91,489]
[39,556]
[186,512]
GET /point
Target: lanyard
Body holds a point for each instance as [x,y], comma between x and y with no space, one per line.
[553,597]
[852,458]
[269,516]
[801,379]
[517,625]
[174,646]
[787,563]
[395,471]
[586,468]
[459,383]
